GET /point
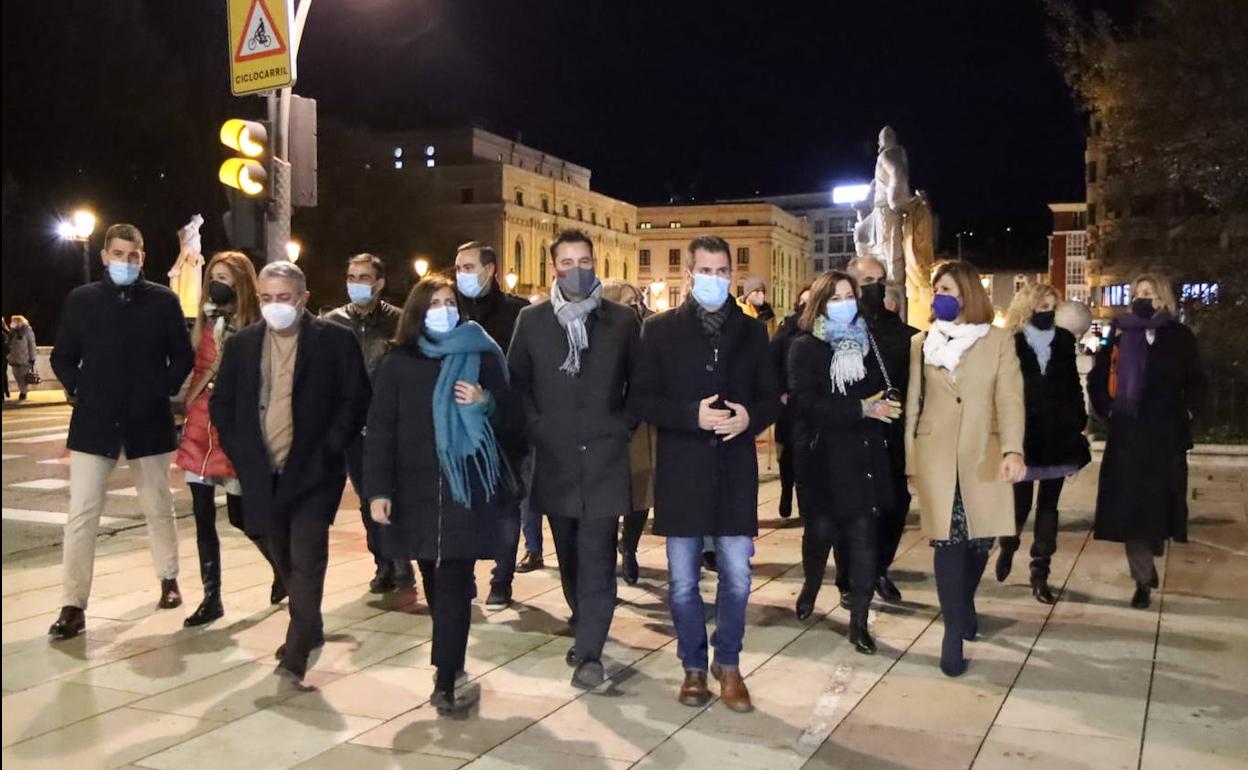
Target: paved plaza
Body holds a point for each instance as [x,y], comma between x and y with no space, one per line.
[1086,683]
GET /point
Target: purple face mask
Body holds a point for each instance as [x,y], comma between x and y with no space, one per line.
[945,307]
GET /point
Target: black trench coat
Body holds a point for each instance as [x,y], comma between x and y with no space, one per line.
[1143,485]
[401,463]
[703,485]
[577,424]
[1056,416]
[845,456]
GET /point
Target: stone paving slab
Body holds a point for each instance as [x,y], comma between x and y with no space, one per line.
[1087,683]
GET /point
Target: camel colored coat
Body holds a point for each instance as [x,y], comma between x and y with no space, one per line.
[965,426]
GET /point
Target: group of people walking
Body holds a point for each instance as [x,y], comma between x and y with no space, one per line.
[467,414]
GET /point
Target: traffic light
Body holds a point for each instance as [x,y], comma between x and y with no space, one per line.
[247,174]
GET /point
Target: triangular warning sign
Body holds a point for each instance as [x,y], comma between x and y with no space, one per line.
[260,37]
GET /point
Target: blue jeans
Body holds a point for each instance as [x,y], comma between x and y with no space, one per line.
[684,566]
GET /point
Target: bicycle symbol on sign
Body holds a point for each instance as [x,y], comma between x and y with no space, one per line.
[260,38]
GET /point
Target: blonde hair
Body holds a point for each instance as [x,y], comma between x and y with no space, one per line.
[976,306]
[1165,293]
[20,319]
[246,304]
[1024,304]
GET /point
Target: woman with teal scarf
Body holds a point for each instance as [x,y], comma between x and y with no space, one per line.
[432,464]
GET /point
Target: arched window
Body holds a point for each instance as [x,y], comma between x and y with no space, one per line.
[544,260]
[519,263]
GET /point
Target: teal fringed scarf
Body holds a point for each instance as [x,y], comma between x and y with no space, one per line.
[464,436]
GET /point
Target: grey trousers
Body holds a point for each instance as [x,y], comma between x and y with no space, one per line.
[1140,554]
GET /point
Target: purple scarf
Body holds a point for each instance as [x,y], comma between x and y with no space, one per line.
[1133,357]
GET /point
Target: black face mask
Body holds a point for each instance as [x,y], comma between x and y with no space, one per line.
[872,298]
[1044,319]
[220,293]
[1143,307]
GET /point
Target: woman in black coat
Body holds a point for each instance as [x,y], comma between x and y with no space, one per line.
[432,466]
[1148,383]
[1054,446]
[840,414]
[780,343]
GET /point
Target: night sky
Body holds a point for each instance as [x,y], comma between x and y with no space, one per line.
[116,104]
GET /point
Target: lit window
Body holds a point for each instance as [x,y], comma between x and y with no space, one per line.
[398,165]
[429,163]
[429,151]
[398,152]
[643,225]
[849,225]
[674,225]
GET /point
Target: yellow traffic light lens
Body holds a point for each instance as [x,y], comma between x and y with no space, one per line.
[243,174]
[245,136]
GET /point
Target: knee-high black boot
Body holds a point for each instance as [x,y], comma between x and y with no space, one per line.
[951,579]
[208,545]
[976,563]
[814,565]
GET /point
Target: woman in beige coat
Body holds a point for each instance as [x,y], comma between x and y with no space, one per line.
[641,452]
[964,443]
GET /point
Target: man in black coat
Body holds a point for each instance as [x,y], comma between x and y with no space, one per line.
[121,352]
[291,395]
[372,322]
[481,298]
[572,360]
[708,385]
[780,343]
[893,337]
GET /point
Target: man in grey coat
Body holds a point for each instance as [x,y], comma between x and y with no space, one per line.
[572,359]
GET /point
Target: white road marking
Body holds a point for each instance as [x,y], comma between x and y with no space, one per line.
[8,434]
[39,439]
[55,517]
[43,484]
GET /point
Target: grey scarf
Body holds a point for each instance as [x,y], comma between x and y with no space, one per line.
[571,316]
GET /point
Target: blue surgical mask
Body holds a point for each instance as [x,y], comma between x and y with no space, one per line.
[842,311]
[710,291]
[469,284]
[123,273]
[946,307]
[441,320]
[360,293]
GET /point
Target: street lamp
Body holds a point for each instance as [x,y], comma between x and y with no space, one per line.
[293,250]
[79,228]
[422,266]
[512,280]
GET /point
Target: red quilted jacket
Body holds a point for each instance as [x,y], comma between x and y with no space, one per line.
[201,451]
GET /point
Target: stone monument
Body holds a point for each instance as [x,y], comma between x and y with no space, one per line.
[895,226]
[186,275]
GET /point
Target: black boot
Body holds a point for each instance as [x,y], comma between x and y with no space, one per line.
[383,580]
[1141,598]
[277,591]
[630,570]
[72,621]
[404,576]
[951,574]
[1005,562]
[210,608]
[976,563]
[806,599]
[859,635]
[170,596]
[786,502]
[1040,589]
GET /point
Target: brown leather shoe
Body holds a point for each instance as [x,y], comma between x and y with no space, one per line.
[732,690]
[170,596]
[530,562]
[693,692]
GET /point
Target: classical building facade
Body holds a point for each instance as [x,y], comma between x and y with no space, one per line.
[1068,251]
[491,189]
[831,227]
[766,241]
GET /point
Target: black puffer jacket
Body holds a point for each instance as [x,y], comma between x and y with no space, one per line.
[1056,415]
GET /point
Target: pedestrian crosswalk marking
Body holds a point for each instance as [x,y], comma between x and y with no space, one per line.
[58,518]
[42,484]
[39,439]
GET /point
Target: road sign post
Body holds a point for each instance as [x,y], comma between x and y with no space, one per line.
[261,49]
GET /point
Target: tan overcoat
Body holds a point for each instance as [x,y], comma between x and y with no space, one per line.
[967,423]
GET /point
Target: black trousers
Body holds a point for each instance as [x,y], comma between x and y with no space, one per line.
[372,530]
[504,572]
[208,543]
[892,525]
[786,478]
[300,550]
[856,551]
[1045,543]
[448,589]
[634,526]
[586,550]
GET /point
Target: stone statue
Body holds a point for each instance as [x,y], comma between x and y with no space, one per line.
[895,225]
[186,275]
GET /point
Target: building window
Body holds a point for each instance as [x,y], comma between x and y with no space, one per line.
[429,163]
[818,227]
[1091,213]
[1116,295]
[643,258]
[743,255]
[519,267]
[519,197]
[1205,293]
[819,245]
[608,223]
[606,267]
[565,210]
[673,257]
[849,225]
[640,226]
[541,258]
[1076,246]
[674,225]
[466,195]
[1076,272]
[545,205]
[593,217]
[580,214]
[743,223]
[818,265]
[1020,281]
[626,227]
[1091,172]
[704,223]
[398,165]
[673,297]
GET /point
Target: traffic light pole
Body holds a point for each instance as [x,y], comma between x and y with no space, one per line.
[277,222]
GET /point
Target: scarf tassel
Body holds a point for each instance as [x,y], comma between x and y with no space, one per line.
[847,368]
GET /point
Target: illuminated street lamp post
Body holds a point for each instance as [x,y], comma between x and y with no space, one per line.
[422,266]
[79,228]
[293,250]
[512,280]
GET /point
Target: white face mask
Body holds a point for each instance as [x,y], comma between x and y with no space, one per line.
[441,320]
[279,316]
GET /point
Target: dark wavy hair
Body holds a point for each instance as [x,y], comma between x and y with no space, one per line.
[412,321]
[822,291]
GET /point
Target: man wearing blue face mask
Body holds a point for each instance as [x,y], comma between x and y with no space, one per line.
[706,382]
[373,322]
[121,351]
[481,298]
